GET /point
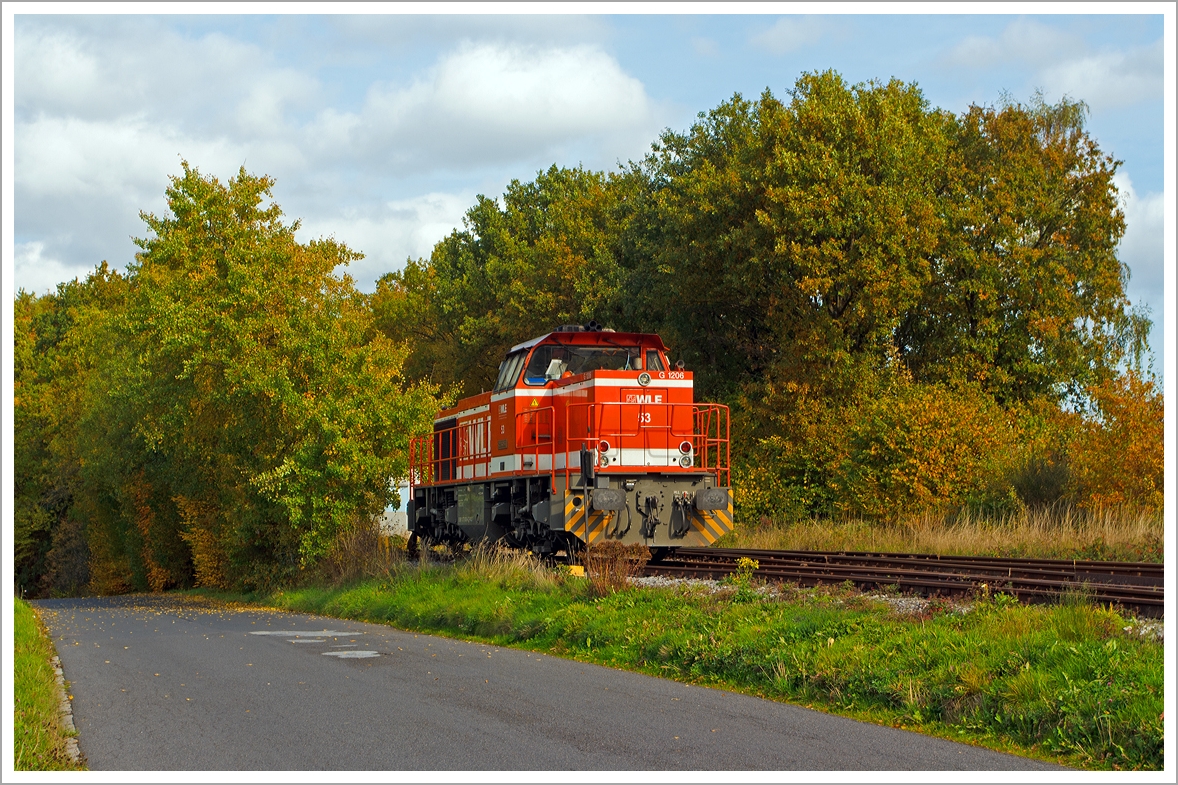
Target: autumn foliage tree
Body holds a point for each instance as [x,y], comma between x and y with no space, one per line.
[60,353]
[543,258]
[245,408]
[1115,456]
[1026,295]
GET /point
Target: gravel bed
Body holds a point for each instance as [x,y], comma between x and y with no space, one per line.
[914,606]
[899,604]
[1148,629]
[659,581]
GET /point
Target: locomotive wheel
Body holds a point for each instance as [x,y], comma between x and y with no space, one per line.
[418,545]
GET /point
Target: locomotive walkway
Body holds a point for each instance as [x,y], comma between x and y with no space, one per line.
[1136,586]
[169,683]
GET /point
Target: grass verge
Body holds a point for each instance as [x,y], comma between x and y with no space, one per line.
[1057,532]
[39,738]
[1062,683]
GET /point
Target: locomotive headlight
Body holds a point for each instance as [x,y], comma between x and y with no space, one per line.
[685,447]
[685,461]
[603,461]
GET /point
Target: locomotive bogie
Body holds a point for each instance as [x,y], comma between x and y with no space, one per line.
[656,510]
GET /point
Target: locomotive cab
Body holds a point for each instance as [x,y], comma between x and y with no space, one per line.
[587,435]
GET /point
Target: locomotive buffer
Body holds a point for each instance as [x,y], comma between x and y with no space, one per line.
[588,435]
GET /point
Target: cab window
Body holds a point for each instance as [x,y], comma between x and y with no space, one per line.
[553,361]
[509,371]
[653,361]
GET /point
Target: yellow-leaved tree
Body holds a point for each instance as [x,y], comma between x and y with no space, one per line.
[254,407]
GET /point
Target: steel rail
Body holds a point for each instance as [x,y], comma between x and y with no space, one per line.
[1135,586]
[1074,572]
[1137,569]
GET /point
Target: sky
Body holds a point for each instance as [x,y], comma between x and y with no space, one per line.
[380,130]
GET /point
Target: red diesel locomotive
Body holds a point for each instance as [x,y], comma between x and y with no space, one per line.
[588,435]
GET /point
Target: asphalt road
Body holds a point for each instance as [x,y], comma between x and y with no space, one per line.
[178,684]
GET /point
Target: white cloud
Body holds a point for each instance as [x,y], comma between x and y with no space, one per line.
[262,111]
[1110,79]
[1145,226]
[1062,64]
[404,30]
[1142,250]
[107,106]
[55,72]
[71,156]
[489,102]
[144,67]
[391,233]
[1023,40]
[789,34]
[35,272]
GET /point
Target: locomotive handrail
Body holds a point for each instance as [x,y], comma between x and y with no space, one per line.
[441,455]
[535,429]
[713,435]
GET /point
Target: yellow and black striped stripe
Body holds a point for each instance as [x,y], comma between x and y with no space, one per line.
[585,524]
[711,525]
[575,518]
[707,526]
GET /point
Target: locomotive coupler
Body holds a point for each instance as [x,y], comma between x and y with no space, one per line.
[649,510]
[680,523]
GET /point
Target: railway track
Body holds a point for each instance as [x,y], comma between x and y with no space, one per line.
[1135,586]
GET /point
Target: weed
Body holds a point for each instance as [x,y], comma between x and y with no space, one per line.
[1078,618]
[509,568]
[745,567]
[742,578]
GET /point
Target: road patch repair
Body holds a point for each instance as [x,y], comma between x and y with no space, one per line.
[321,636]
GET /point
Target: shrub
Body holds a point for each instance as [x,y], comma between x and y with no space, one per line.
[610,565]
[1116,456]
[923,447]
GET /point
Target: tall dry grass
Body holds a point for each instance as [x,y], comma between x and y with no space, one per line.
[360,551]
[1056,532]
[610,565]
[509,568]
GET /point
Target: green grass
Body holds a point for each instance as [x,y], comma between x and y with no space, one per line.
[1062,683]
[40,740]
